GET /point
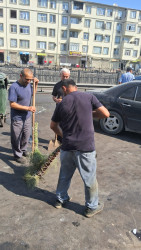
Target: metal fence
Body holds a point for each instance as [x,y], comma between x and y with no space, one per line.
[53,75]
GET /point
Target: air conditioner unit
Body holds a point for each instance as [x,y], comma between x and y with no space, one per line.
[119,31]
[66,11]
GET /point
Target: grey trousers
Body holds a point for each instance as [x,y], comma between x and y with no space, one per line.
[20,133]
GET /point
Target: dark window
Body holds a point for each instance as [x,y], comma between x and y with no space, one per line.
[129,94]
[138,96]
[13,13]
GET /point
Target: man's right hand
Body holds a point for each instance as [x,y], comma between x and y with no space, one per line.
[32,109]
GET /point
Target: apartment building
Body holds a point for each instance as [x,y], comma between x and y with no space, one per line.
[62,32]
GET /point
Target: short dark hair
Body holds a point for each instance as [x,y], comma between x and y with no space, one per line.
[68,82]
[129,69]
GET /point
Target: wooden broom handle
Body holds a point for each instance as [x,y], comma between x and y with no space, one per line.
[33,119]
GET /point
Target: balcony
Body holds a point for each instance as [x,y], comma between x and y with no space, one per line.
[77,11]
[74,26]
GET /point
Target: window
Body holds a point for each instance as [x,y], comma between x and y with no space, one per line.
[119,27]
[52,18]
[138,96]
[24,29]
[99,24]
[116,52]
[1,12]
[97,50]
[41,45]
[53,4]
[41,31]
[64,34]
[63,47]
[24,15]
[51,46]
[13,28]
[1,27]
[24,44]
[1,42]
[126,39]
[86,36]
[42,3]
[42,17]
[108,25]
[129,94]
[75,20]
[65,6]
[100,12]
[139,29]
[13,1]
[13,13]
[133,14]
[87,23]
[135,53]
[84,48]
[107,39]
[88,9]
[64,20]
[25,2]
[52,32]
[74,47]
[136,41]
[13,43]
[140,16]
[98,38]
[127,52]
[77,5]
[74,34]
[130,27]
[109,12]
[119,14]
[117,39]
[105,51]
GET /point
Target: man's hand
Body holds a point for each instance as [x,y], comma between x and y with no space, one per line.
[32,109]
[57,100]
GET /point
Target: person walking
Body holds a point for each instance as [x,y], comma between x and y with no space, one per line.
[76,112]
[20,94]
[57,93]
[127,77]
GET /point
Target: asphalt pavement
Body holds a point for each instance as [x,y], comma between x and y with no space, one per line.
[28,219]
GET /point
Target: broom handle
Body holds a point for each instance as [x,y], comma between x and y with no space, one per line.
[33,119]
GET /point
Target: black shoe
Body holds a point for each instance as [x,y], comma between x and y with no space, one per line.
[19,159]
[25,154]
[59,204]
[91,212]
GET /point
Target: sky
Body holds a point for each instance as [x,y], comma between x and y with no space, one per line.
[131,4]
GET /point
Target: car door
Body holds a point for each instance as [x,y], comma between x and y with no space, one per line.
[130,102]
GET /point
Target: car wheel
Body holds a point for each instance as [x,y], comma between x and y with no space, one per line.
[113,124]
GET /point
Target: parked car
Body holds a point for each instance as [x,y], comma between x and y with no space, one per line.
[138,77]
[124,104]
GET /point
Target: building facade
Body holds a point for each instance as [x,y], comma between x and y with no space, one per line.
[61,32]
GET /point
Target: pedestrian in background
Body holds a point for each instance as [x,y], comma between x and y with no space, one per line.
[20,94]
[57,93]
[127,77]
[75,113]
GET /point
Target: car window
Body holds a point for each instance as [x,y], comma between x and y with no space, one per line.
[129,93]
[138,96]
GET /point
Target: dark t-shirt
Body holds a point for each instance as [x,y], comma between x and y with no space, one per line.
[57,90]
[21,95]
[75,115]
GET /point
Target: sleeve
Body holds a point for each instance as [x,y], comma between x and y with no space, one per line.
[56,115]
[54,92]
[95,103]
[12,95]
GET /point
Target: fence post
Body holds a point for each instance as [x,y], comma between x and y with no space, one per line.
[78,77]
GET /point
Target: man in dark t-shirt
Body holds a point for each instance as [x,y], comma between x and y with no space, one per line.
[76,112]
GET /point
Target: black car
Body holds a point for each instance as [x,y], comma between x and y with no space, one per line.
[124,104]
